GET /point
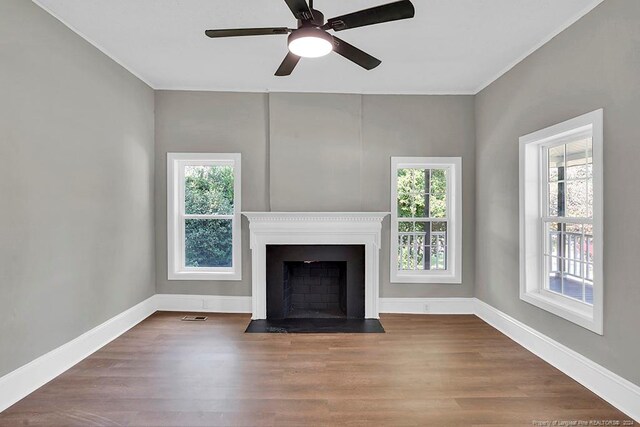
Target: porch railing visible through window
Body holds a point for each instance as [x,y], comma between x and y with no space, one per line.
[571,271]
[569,220]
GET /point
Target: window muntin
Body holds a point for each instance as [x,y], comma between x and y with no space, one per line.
[423,235]
[204,216]
[568,219]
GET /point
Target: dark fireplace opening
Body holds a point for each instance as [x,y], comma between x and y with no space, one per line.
[315,289]
[315,281]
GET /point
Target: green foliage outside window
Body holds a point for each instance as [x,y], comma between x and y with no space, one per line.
[208,191]
[422,194]
[419,188]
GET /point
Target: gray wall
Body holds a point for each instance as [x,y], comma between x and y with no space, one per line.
[418,126]
[76,180]
[315,152]
[316,148]
[212,122]
[594,63]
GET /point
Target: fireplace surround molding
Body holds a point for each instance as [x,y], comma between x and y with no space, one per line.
[315,228]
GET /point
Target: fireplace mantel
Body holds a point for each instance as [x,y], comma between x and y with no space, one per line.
[371,217]
[314,228]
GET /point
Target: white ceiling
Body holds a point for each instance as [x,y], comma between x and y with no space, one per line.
[451,46]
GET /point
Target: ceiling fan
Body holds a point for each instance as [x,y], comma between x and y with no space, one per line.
[311,39]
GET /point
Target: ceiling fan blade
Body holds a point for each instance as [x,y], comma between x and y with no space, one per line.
[288,64]
[237,32]
[402,9]
[300,9]
[354,54]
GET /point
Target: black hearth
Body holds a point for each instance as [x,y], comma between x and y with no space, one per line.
[315,326]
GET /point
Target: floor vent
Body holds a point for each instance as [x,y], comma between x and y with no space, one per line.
[194,318]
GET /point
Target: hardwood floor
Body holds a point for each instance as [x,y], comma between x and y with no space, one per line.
[426,370]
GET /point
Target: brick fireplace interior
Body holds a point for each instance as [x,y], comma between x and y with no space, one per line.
[315,289]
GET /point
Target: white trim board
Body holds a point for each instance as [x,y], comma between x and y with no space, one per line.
[203,303]
[452,166]
[28,378]
[181,88]
[611,387]
[177,268]
[427,305]
[534,216]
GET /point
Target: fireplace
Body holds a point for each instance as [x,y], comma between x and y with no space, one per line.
[317,229]
[315,281]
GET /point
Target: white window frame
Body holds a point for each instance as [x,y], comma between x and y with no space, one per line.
[453,273]
[176,163]
[533,174]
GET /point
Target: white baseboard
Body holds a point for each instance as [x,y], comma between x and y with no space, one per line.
[619,392]
[427,305]
[203,303]
[26,379]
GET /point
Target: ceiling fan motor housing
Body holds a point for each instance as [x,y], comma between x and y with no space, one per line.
[310,32]
[316,21]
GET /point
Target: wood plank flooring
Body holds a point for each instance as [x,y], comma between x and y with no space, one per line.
[425,371]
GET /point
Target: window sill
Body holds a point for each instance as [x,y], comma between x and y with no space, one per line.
[205,275]
[575,312]
[422,277]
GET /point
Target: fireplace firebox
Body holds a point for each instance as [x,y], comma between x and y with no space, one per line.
[315,281]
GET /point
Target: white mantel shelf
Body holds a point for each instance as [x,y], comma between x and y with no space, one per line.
[316,216]
[315,228]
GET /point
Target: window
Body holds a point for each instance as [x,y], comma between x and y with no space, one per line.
[203,216]
[561,220]
[426,219]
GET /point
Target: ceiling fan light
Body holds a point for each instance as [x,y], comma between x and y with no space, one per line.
[310,43]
